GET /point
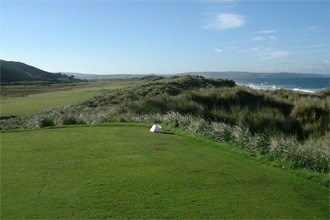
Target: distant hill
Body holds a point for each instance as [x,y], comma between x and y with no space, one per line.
[16,71]
[249,75]
[110,76]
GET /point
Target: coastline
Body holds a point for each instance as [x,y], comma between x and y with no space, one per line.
[307,85]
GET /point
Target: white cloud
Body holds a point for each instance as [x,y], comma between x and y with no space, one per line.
[230,6]
[319,67]
[269,53]
[256,49]
[226,21]
[272,38]
[258,38]
[273,54]
[315,28]
[315,46]
[231,47]
[266,32]
[218,50]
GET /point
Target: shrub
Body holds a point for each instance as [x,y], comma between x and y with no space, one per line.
[72,121]
[46,122]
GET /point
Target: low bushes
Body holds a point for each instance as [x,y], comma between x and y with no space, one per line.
[71,120]
[47,122]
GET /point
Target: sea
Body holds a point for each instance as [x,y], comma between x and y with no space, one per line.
[309,85]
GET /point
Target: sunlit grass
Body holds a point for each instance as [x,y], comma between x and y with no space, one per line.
[19,105]
[128,172]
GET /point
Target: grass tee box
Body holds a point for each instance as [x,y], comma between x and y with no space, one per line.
[129,172]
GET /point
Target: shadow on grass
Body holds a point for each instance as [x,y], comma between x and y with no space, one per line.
[164,132]
[168,132]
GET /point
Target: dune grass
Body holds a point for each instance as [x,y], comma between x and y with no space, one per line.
[20,101]
[127,172]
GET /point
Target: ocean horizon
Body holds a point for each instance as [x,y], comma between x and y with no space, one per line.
[309,85]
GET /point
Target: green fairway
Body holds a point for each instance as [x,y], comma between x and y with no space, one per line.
[34,103]
[129,172]
[18,105]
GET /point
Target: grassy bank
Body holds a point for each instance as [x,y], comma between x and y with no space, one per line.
[128,172]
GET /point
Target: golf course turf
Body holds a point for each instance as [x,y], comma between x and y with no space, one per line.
[124,171]
[18,101]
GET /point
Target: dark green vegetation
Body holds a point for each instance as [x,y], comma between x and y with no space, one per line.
[127,172]
[219,100]
[16,71]
[282,124]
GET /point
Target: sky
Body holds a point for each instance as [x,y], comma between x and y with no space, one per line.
[163,37]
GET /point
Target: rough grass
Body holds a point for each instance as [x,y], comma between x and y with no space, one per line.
[128,172]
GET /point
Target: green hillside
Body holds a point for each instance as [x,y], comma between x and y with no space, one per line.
[127,172]
[16,71]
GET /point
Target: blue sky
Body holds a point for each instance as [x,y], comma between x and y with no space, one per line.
[139,37]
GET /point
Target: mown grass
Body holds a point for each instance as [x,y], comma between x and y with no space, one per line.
[31,104]
[128,172]
[30,99]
